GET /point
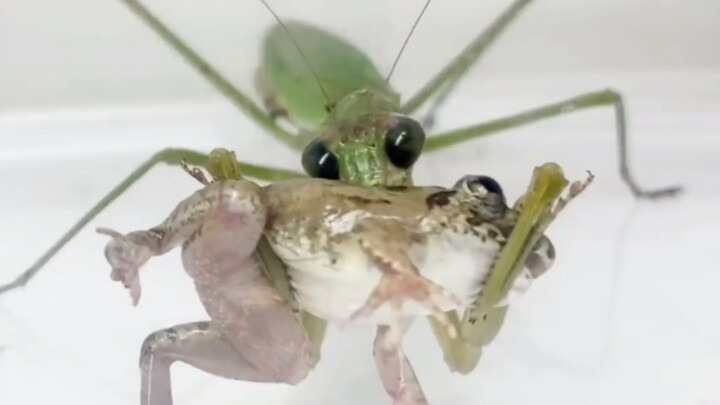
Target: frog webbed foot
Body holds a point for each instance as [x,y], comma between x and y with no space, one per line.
[127,253]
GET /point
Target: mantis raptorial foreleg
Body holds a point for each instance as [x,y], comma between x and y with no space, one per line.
[170,156]
[481,323]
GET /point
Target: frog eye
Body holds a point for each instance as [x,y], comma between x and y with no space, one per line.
[480,185]
[320,162]
[404,142]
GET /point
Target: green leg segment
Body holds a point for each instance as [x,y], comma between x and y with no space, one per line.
[482,321]
[315,328]
[167,156]
[461,355]
[238,98]
[443,83]
[446,79]
[590,100]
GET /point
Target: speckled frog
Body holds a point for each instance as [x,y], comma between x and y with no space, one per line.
[377,255]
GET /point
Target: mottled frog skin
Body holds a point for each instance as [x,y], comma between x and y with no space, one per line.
[374,255]
[350,250]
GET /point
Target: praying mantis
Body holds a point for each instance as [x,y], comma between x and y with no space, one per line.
[351,125]
[327,87]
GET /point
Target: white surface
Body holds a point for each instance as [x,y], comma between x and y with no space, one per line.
[627,316]
[58,53]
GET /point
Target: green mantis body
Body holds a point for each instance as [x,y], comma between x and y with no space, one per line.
[352,125]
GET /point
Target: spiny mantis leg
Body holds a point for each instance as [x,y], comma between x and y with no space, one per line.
[480,324]
[446,79]
[589,100]
[538,209]
[237,97]
[461,355]
[168,156]
[222,165]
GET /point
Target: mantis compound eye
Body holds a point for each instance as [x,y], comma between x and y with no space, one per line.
[404,142]
[320,162]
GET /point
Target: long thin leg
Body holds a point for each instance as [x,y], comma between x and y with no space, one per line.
[238,98]
[526,256]
[428,120]
[600,98]
[167,156]
[454,71]
[396,373]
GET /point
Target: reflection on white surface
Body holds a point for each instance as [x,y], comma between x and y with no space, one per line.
[627,316]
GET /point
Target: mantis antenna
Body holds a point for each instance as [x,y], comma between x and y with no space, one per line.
[302,54]
[407,39]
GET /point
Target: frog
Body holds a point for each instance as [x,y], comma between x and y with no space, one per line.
[382,256]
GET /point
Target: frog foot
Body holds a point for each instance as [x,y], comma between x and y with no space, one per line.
[126,254]
[396,285]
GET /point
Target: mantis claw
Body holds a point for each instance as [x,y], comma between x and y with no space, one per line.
[195,173]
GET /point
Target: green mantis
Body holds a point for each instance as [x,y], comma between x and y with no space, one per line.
[351,124]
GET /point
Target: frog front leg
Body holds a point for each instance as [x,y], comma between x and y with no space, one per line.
[395,371]
[253,334]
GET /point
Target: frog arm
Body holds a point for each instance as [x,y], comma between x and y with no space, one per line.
[126,253]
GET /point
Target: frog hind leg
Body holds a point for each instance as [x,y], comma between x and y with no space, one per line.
[396,373]
[266,355]
[254,334]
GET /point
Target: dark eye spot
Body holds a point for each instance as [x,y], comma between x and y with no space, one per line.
[485,182]
[404,142]
[320,162]
[489,184]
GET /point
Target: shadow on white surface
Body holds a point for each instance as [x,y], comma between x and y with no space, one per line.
[627,316]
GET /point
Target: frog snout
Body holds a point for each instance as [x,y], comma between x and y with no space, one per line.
[541,258]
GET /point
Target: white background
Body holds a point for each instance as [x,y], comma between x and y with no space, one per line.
[627,316]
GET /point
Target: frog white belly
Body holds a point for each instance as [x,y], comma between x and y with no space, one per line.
[334,290]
